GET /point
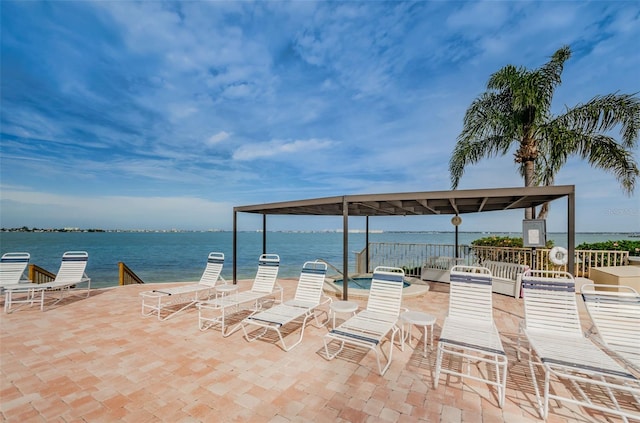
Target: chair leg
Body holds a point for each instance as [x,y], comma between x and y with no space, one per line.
[436,375]
[326,349]
[545,407]
[391,343]
[542,406]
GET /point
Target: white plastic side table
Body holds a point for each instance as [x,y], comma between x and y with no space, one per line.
[223,290]
[417,318]
[342,307]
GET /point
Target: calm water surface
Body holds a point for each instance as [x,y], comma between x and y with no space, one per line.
[181,256]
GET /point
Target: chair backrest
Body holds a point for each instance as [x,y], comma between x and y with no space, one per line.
[385,294]
[311,282]
[550,302]
[470,294]
[72,267]
[268,266]
[12,267]
[211,274]
[616,315]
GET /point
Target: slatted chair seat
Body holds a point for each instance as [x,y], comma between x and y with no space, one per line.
[214,312]
[372,326]
[556,344]
[472,335]
[303,306]
[469,331]
[179,298]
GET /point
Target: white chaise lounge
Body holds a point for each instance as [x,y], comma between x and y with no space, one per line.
[214,312]
[301,308]
[615,313]
[469,331]
[12,269]
[557,345]
[371,327]
[176,299]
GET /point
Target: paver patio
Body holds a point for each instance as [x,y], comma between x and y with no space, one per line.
[97,359]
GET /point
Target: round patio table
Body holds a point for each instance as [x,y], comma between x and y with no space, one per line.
[342,307]
[417,318]
[223,290]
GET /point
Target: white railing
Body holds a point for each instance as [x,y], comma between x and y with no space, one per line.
[411,257]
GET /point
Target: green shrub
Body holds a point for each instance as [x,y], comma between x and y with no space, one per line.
[502,241]
[499,241]
[633,247]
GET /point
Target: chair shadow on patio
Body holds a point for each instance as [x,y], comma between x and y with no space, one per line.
[350,353]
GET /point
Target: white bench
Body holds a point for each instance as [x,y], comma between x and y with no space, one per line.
[507,277]
[437,268]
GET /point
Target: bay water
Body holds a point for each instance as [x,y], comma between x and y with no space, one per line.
[182,256]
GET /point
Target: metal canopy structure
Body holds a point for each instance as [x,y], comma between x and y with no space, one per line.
[453,202]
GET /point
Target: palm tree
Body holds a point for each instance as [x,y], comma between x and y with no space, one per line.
[515,109]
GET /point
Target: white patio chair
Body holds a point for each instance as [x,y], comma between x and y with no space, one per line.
[214,312]
[469,331]
[302,307]
[70,274]
[12,269]
[558,345]
[615,313]
[167,299]
[371,327]
[12,272]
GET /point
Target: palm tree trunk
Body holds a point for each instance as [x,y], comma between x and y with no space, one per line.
[529,182]
[544,211]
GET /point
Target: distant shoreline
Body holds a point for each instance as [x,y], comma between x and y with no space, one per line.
[332,231]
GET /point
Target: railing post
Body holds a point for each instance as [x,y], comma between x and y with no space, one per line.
[126,275]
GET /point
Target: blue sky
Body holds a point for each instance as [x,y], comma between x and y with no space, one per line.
[158,115]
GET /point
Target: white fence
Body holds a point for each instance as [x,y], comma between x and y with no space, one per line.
[411,257]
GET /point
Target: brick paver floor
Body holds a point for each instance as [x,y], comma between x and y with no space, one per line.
[98,360]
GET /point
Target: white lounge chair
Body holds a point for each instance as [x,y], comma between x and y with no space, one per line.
[12,269]
[371,327]
[558,345]
[214,312]
[184,296]
[615,313]
[469,331]
[303,306]
[70,274]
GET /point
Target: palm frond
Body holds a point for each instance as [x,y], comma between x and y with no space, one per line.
[605,113]
[605,153]
[472,151]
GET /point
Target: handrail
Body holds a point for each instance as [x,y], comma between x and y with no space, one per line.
[343,277]
[127,276]
[38,274]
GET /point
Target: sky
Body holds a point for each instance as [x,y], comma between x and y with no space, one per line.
[161,115]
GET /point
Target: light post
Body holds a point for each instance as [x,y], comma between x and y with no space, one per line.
[456,221]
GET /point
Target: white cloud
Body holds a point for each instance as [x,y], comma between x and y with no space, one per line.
[277,148]
[217,138]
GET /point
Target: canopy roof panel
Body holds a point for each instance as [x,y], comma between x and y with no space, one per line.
[417,203]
